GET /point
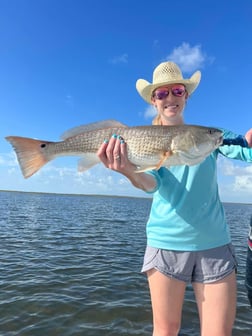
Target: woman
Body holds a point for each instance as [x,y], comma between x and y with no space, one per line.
[188,239]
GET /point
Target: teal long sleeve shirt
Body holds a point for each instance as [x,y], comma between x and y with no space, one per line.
[186,212]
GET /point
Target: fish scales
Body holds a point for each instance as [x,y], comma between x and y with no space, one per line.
[142,142]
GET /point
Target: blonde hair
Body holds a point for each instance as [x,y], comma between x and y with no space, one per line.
[157,120]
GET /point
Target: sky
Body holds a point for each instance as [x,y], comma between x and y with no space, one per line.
[64,63]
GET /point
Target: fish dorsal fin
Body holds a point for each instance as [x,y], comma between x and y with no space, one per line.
[91,127]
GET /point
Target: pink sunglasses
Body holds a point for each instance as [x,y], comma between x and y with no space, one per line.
[177,90]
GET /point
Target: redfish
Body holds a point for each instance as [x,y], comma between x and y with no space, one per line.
[149,147]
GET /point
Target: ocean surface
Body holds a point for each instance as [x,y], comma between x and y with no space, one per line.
[70,265]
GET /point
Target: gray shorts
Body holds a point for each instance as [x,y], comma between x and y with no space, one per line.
[196,266]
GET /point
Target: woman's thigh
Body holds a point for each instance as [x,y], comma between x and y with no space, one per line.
[167,296]
[217,305]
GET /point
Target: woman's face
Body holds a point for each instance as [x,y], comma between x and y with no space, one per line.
[169,101]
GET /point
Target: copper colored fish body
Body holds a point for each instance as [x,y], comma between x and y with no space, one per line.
[149,147]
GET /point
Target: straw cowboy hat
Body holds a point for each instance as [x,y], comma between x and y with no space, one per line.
[164,74]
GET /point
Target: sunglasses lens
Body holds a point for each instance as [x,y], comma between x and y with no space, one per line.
[161,94]
[178,91]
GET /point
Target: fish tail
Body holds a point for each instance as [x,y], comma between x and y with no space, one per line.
[30,153]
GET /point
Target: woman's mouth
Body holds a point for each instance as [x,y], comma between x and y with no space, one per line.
[171,107]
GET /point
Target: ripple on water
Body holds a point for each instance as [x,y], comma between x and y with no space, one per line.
[70,265]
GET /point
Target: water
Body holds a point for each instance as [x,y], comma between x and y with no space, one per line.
[70,265]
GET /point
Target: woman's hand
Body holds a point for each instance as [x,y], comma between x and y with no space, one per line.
[113,154]
[248,137]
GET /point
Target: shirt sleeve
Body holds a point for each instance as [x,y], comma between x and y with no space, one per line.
[235,151]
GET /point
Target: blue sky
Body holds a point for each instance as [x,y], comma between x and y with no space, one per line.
[64,63]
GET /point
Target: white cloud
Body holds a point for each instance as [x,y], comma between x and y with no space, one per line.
[235,180]
[189,58]
[8,159]
[120,59]
[234,168]
[243,184]
[150,112]
[65,179]
[69,101]
[156,44]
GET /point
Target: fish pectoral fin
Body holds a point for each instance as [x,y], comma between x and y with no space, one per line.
[144,169]
[164,157]
[87,161]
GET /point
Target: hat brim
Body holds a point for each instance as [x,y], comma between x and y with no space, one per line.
[145,88]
